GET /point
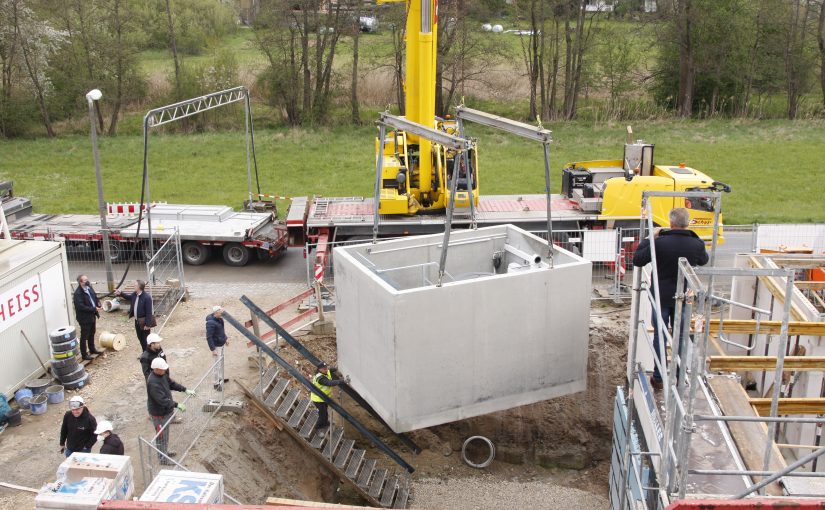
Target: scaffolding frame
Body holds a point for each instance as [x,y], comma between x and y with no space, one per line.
[668,451]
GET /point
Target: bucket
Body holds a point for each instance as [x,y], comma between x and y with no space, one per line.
[114,341]
[55,394]
[40,404]
[14,418]
[38,386]
[23,396]
[110,305]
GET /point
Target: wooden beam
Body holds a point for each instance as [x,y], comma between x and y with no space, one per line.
[748,326]
[746,363]
[305,504]
[778,291]
[750,437]
[810,285]
[789,406]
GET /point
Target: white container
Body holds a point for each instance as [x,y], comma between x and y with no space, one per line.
[185,487]
[117,468]
[503,331]
[35,297]
[83,494]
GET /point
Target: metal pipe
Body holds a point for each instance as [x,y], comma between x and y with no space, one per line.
[733,472]
[776,476]
[92,97]
[526,257]
[522,129]
[247,118]
[428,133]
[760,419]
[780,362]
[379,168]
[298,376]
[547,182]
[470,177]
[741,305]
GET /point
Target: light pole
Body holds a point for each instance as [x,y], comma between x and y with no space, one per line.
[92,96]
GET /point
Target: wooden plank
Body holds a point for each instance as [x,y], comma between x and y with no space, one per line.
[750,437]
[790,406]
[18,487]
[305,504]
[304,444]
[748,326]
[747,363]
[778,291]
[810,285]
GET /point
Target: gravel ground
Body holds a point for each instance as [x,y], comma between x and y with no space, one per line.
[489,492]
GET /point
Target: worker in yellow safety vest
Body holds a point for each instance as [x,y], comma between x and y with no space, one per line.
[324,382]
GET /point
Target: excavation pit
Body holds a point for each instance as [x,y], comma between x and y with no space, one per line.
[504,329]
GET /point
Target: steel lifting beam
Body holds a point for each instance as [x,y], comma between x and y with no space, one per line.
[521,129]
[298,376]
[428,133]
[312,358]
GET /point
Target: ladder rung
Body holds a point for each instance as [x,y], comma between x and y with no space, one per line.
[319,438]
[343,453]
[366,473]
[334,441]
[286,405]
[309,424]
[265,381]
[389,491]
[277,391]
[298,413]
[377,482]
[355,463]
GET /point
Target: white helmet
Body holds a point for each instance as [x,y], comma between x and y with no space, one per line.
[103,426]
[76,402]
[160,363]
[154,338]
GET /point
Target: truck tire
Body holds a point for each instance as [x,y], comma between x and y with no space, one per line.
[194,253]
[118,252]
[235,254]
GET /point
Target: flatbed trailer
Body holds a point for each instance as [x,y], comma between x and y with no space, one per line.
[239,234]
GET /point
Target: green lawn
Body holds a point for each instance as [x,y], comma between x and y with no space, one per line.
[775,168]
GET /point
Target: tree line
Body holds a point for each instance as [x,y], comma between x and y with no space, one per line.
[558,60]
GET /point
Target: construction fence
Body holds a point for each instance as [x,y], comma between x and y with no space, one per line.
[611,252]
[171,446]
[161,270]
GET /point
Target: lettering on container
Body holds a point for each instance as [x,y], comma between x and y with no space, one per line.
[20,301]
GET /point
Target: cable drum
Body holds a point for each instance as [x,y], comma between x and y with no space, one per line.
[61,335]
[483,440]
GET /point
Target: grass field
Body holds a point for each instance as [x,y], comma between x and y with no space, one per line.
[776,168]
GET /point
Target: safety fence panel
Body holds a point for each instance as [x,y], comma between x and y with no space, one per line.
[170,446]
[164,275]
[791,238]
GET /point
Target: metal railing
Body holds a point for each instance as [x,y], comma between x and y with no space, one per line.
[164,275]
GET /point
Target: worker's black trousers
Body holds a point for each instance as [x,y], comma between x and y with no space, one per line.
[87,337]
[142,334]
[323,415]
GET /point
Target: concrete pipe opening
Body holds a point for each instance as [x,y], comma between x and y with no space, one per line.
[476,444]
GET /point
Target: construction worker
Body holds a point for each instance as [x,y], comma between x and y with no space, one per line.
[77,434]
[216,340]
[112,445]
[154,351]
[324,382]
[161,407]
[671,245]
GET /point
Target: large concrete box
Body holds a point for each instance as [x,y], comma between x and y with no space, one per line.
[502,331]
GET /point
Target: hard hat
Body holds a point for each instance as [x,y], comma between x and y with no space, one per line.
[160,363]
[217,308]
[103,426]
[154,338]
[322,365]
[76,402]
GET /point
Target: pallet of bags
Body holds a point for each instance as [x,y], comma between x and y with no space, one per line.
[83,494]
[117,468]
[185,487]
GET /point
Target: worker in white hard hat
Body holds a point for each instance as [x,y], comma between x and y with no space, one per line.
[154,350]
[112,445]
[216,339]
[77,434]
[161,406]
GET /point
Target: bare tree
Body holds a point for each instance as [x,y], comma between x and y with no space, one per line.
[355,113]
[577,38]
[173,45]
[820,39]
[796,64]
[684,28]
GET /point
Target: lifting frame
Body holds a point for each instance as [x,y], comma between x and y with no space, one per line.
[658,476]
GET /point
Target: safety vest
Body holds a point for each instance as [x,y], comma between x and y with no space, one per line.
[326,390]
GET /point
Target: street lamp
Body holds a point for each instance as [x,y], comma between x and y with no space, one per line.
[92,96]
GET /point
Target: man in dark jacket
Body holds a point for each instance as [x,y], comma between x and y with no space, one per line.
[670,246]
[112,445]
[87,310]
[78,431]
[159,389]
[216,339]
[148,356]
[142,310]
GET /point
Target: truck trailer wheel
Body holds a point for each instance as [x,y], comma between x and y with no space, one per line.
[194,253]
[235,254]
